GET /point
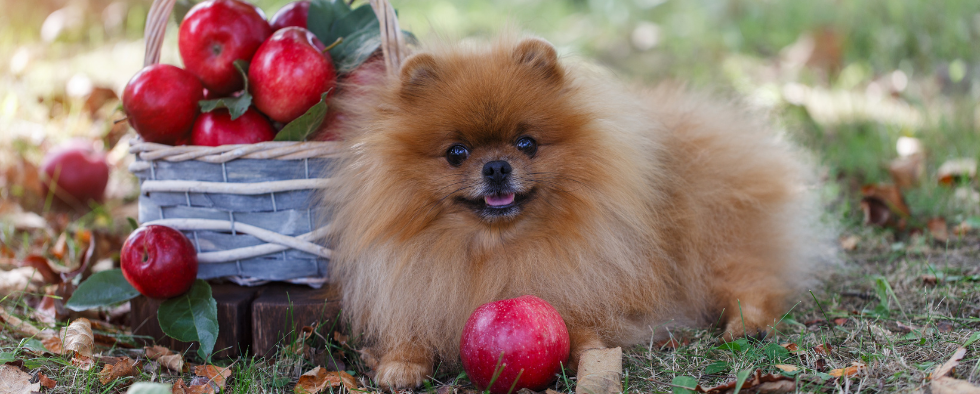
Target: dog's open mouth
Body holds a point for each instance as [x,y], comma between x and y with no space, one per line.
[497,205]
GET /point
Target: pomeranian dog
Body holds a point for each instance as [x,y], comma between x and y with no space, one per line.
[481,172]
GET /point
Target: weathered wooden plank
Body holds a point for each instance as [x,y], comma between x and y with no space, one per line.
[281,310]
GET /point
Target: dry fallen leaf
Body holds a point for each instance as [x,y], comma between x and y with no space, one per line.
[756,383]
[166,358]
[17,325]
[883,205]
[318,379]
[942,383]
[79,338]
[121,368]
[853,370]
[53,345]
[787,367]
[214,374]
[955,171]
[937,227]
[46,381]
[906,172]
[600,371]
[840,321]
[22,279]
[849,243]
[791,347]
[823,348]
[82,362]
[15,381]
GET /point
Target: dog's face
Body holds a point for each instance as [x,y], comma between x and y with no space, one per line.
[494,137]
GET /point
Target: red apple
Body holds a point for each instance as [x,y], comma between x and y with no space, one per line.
[161,103]
[75,174]
[289,73]
[214,34]
[292,14]
[216,128]
[522,339]
[159,262]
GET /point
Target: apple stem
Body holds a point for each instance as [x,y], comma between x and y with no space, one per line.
[335,43]
[117,121]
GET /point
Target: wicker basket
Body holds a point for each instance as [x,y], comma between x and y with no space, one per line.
[249,209]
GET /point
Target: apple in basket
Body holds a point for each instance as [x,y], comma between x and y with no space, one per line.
[161,103]
[292,14]
[289,74]
[513,344]
[214,34]
[159,262]
[217,128]
[75,174]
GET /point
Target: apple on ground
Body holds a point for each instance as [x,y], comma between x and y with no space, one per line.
[521,339]
[75,173]
[216,128]
[292,14]
[161,103]
[289,73]
[159,262]
[214,34]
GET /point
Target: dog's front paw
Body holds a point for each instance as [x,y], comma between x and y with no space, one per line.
[750,323]
[394,375]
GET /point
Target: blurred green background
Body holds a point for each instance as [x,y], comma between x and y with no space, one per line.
[847,79]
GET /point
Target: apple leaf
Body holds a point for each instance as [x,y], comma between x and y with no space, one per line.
[359,28]
[356,48]
[301,128]
[181,7]
[235,105]
[740,378]
[192,317]
[101,289]
[323,15]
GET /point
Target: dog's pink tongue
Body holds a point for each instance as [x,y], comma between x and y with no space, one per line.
[499,200]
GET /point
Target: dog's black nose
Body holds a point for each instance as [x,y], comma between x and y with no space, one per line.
[496,171]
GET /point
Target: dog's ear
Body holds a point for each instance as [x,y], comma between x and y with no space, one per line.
[538,55]
[417,72]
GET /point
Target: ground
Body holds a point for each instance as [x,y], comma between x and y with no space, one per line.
[883,93]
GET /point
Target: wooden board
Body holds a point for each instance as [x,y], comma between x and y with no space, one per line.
[282,310]
[251,320]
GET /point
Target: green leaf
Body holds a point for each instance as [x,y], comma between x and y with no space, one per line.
[973,338]
[354,21]
[235,105]
[321,17]
[192,317]
[132,223]
[101,289]
[776,353]
[301,128]
[716,367]
[6,357]
[740,378]
[34,345]
[181,7]
[149,388]
[356,48]
[735,346]
[684,385]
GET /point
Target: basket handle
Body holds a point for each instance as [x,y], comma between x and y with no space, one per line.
[392,41]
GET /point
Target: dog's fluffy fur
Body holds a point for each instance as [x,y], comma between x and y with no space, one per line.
[643,209]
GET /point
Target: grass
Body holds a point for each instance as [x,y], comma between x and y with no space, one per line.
[893,69]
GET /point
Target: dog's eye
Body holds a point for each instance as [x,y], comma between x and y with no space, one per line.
[456,154]
[527,145]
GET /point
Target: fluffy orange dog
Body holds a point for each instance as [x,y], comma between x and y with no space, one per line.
[482,173]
